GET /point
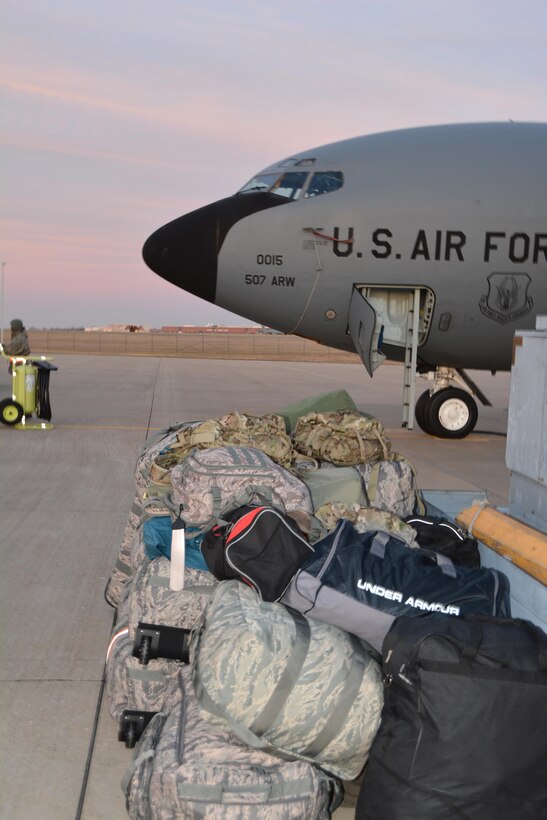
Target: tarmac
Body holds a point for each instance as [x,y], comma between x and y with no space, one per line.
[65,495]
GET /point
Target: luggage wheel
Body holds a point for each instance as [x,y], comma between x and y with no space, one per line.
[132,725]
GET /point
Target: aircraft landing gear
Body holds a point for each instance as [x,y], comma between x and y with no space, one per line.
[448,412]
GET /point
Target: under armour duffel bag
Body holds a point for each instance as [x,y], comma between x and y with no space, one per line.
[360,582]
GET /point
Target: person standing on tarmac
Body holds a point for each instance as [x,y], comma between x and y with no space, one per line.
[19,345]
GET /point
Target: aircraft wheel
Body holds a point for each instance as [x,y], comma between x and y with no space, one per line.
[420,411]
[10,412]
[451,413]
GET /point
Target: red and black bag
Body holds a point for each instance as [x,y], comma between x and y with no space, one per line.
[261,546]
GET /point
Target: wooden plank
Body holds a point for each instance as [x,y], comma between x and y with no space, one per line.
[524,546]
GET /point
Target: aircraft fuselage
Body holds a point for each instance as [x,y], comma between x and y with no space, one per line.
[459,212]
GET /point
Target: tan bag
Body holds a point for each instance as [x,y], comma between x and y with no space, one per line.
[343,438]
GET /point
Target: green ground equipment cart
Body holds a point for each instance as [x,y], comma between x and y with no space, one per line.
[29,394]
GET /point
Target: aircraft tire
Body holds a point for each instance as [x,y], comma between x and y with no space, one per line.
[11,412]
[451,413]
[420,412]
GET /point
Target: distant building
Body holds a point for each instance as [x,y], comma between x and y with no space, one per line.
[134,328]
[211,329]
[125,328]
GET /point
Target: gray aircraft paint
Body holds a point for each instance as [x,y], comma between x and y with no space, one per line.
[459,209]
[480,189]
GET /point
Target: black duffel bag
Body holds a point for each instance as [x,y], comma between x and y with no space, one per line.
[260,545]
[462,733]
[446,537]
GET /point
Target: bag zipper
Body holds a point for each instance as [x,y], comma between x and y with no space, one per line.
[469,670]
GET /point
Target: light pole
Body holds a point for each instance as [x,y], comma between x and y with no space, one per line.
[2,305]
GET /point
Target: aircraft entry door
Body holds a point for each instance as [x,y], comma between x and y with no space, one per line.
[365,327]
[394,316]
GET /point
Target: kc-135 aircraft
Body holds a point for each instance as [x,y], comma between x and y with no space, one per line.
[425,245]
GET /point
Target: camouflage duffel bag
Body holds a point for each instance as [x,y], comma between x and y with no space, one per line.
[184,767]
[148,500]
[285,683]
[390,484]
[137,676]
[121,571]
[161,442]
[365,519]
[344,438]
[209,484]
[131,553]
[266,433]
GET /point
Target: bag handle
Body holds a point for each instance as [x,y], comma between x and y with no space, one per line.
[378,546]
[228,794]
[378,549]
[339,715]
[317,530]
[471,648]
[265,493]
[380,438]
[420,505]
[273,706]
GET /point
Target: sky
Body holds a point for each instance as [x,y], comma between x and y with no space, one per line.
[120,115]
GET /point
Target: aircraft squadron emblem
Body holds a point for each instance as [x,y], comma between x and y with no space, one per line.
[507,298]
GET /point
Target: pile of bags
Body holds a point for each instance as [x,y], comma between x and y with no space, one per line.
[288,618]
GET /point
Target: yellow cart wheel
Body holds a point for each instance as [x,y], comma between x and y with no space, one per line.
[11,412]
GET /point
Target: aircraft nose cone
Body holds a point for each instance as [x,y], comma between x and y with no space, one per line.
[185,251]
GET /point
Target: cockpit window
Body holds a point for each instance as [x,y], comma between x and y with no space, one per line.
[263,182]
[324,182]
[298,163]
[290,184]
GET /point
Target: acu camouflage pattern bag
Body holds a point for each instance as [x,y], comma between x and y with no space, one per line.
[285,683]
[184,767]
[209,484]
[390,484]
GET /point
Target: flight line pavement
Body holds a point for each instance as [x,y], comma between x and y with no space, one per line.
[64,499]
